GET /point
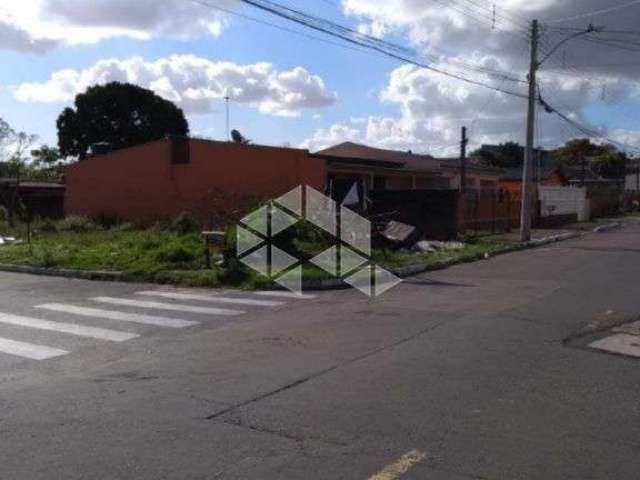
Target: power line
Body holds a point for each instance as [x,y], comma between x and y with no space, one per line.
[503,75]
[338,31]
[584,129]
[279,27]
[596,12]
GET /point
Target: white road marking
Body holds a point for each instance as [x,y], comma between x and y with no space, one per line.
[211,298]
[620,343]
[167,306]
[283,294]
[120,316]
[400,467]
[70,328]
[29,350]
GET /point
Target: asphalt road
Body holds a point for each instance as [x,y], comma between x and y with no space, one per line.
[458,374]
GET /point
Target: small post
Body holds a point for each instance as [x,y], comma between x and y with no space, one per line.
[207,253]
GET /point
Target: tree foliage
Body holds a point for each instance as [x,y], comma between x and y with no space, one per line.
[120,114]
[574,151]
[505,155]
[46,164]
[605,160]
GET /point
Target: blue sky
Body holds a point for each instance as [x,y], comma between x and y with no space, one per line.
[315,93]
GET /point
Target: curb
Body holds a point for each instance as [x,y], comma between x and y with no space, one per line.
[607,227]
[311,285]
[65,272]
[408,271]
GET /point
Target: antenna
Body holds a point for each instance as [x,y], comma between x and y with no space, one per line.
[226,101]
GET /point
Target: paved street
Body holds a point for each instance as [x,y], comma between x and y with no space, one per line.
[476,372]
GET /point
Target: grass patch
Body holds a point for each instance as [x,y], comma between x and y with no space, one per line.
[173,253]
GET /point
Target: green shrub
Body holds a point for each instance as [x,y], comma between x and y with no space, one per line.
[184,223]
[107,220]
[43,257]
[175,254]
[4,214]
[123,227]
[77,224]
[234,270]
[45,225]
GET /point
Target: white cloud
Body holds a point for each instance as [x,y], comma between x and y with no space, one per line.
[36,25]
[12,37]
[193,83]
[452,35]
[336,133]
[432,109]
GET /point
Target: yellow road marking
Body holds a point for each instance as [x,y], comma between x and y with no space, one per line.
[400,467]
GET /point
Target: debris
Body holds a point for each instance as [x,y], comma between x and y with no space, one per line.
[397,231]
[8,240]
[429,246]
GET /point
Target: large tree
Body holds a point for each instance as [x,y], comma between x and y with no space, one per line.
[120,114]
[605,160]
[505,155]
[575,151]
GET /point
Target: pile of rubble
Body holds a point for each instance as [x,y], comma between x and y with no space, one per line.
[407,237]
[8,240]
[431,246]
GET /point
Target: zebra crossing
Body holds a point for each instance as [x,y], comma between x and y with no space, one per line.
[151,309]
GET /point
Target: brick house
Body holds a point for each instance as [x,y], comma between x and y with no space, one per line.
[219,181]
[215,181]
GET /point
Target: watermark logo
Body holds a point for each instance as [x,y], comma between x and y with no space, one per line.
[348,258]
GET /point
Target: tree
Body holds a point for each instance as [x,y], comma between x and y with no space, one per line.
[604,160]
[120,114]
[575,151]
[13,148]
[46,164]
[610,164]
[505,155]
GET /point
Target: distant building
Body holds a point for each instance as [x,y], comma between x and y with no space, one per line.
[35,199]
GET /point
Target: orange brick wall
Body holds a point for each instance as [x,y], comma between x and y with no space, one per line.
[142,184]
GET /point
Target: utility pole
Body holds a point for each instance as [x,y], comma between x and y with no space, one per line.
[527,197]
[463,160]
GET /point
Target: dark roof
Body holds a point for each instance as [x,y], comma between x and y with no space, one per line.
[356,153]
[474,164]
[516,173]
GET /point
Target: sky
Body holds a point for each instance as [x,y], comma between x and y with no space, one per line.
[292,86]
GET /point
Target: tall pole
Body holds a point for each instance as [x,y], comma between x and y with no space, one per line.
[527,194]
[226,103]
[463,160]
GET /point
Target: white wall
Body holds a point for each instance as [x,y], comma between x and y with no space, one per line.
[563,201]
[631,183]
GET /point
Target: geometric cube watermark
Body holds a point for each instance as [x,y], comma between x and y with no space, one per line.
[349,259]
